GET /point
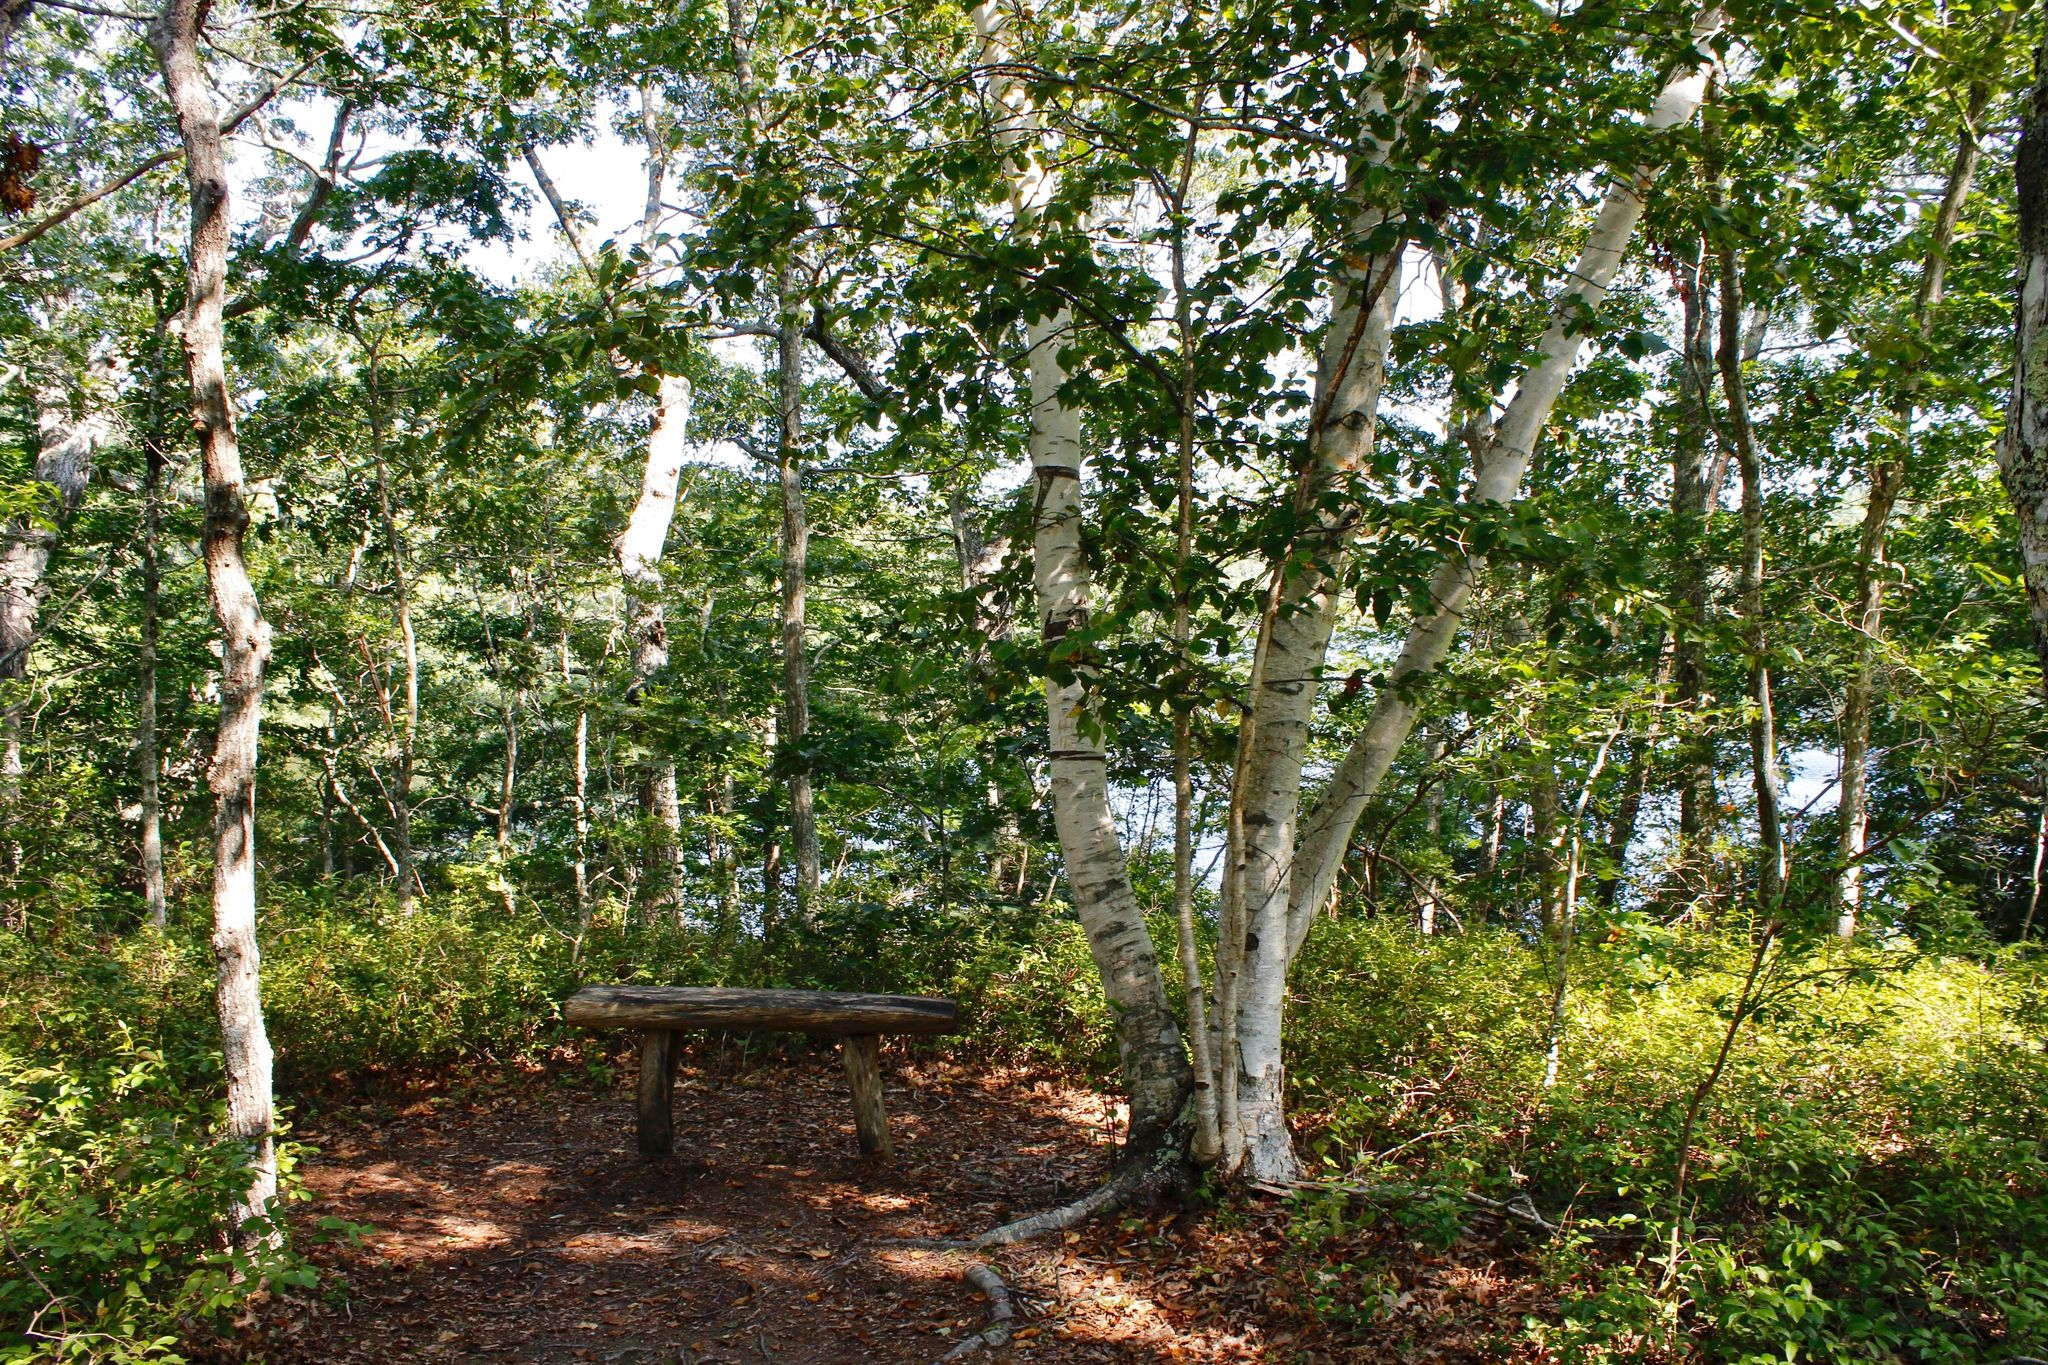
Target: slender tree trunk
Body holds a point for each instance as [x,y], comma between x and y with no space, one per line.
[1157,1075]
[1887,480]
[579,789]
[510,777]
[1547,840]
[1695,493]
[1428,893]
[1496,822]
[406,736]
[245,635]
[1763,729]
[1207,1144]
[2040,853]
[1621,833]
[148,759]
[1327,829]
[1642,760]
[1567,926]
[796,542]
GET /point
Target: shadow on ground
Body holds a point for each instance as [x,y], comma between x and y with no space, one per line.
[520,1226]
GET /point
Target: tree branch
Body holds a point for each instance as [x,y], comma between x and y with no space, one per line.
[93,196]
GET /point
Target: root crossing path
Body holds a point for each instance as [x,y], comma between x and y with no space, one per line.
[517,1224]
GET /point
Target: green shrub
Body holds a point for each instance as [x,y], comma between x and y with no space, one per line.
[1868,1180]
[114,1200]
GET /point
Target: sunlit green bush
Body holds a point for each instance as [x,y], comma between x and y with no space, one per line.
[115,1193]
[1868,1175]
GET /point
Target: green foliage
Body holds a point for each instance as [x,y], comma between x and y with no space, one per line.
[1869,1175]
[114,1193]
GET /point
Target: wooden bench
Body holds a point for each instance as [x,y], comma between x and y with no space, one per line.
[659,1013]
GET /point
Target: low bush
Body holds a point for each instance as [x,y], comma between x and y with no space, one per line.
[1868,1179]
[114,1199]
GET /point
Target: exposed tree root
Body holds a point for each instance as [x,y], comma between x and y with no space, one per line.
[1001,1314]
[1160,1169]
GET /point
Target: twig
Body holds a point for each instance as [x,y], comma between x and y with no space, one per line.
[86,200]
[1519,1209]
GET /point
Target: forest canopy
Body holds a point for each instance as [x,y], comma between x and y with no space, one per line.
[1447,601]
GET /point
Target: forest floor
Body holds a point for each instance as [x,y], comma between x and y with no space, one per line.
[514,1223]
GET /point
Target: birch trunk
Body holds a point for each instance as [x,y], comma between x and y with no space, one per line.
[641,546]
[1327,828]
[640,551]
[1253,967]
[1887,479]
[1253,947]
[245,635]
[1155,1064]
[579,789]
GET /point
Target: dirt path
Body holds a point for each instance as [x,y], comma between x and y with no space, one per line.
[519,1225]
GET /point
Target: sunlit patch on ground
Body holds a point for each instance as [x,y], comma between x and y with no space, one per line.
[519,1225]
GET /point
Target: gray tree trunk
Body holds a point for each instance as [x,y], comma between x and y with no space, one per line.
[1887,480]
[2023,449]
[796,542]
[245,635]
[403,720]
[1763,727]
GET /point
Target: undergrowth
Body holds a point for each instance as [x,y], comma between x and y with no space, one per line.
[1869,1176]
[1869,1181]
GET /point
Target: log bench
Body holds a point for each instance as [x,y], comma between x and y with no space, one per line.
[659,1013]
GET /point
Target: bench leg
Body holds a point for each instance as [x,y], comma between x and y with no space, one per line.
[862,1055]
[657,1079]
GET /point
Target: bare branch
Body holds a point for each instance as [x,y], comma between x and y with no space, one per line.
[85,201]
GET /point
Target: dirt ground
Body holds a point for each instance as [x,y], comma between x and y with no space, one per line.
[516,1223]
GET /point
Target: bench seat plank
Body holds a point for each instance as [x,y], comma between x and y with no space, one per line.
[826,1013]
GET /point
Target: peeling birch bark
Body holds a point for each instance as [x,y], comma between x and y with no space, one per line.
[1253,949]
[1327,828]
[1155,1064]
